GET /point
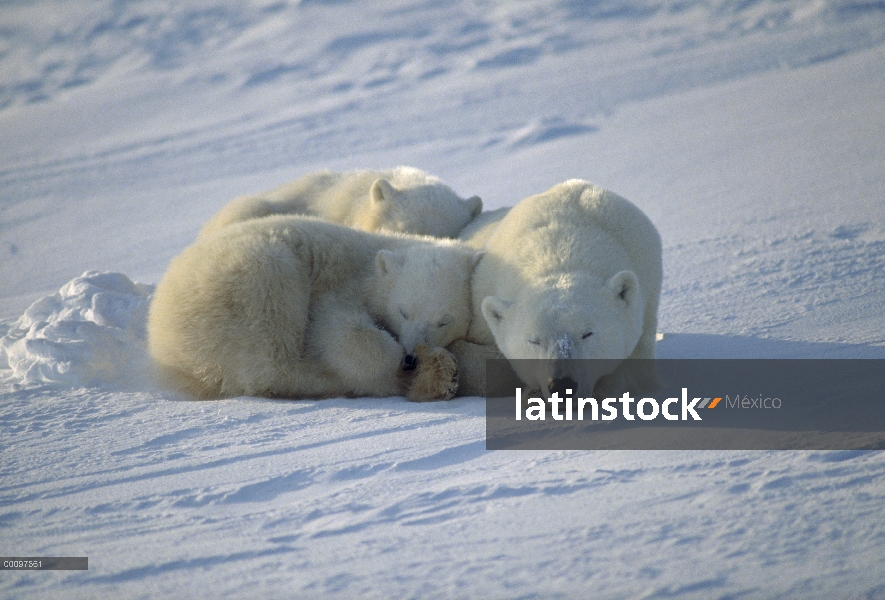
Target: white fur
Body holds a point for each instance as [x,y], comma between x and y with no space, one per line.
[574,272]
[402,199]
[297,307]
[477,232]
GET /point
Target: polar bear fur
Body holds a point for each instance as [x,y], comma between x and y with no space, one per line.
[402,199]
[290,306]
[572,273]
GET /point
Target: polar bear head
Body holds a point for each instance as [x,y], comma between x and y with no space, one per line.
[568,317]
[422,293]
[424,209]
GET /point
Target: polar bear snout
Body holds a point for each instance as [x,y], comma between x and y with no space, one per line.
[564,386]
[412,335]
[410,362]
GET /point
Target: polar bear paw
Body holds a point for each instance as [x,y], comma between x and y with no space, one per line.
[436,377]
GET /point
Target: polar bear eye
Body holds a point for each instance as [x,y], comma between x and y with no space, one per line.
[445,321]
[404,314]
[535,342]
[586,335]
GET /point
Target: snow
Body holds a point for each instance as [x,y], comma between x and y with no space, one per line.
[752,133]
[91,333]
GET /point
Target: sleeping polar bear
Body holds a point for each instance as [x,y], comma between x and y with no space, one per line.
[572,273]
[402,199]
[297,307]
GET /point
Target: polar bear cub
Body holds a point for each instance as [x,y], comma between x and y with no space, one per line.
[403,199]
[572,273]
[290,306]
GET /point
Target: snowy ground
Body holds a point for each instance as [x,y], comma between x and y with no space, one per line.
[752,133]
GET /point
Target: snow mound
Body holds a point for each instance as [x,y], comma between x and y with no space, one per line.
[91,333]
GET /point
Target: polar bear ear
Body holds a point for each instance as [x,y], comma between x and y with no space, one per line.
[382,191]
[624,287]
[476,258]
[388,263]
[474,203]
[493,310]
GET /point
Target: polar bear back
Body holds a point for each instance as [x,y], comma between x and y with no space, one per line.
[232,309]
[239,312]
[477,232]
[582,224]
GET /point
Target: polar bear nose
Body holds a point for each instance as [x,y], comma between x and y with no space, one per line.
[562,347]
[563,385]
[410,362]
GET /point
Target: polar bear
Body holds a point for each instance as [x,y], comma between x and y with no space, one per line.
[572,273]
[293,306]
[403,199]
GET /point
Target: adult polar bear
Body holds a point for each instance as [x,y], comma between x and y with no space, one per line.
[402,199]
[572,273]
[290,306]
